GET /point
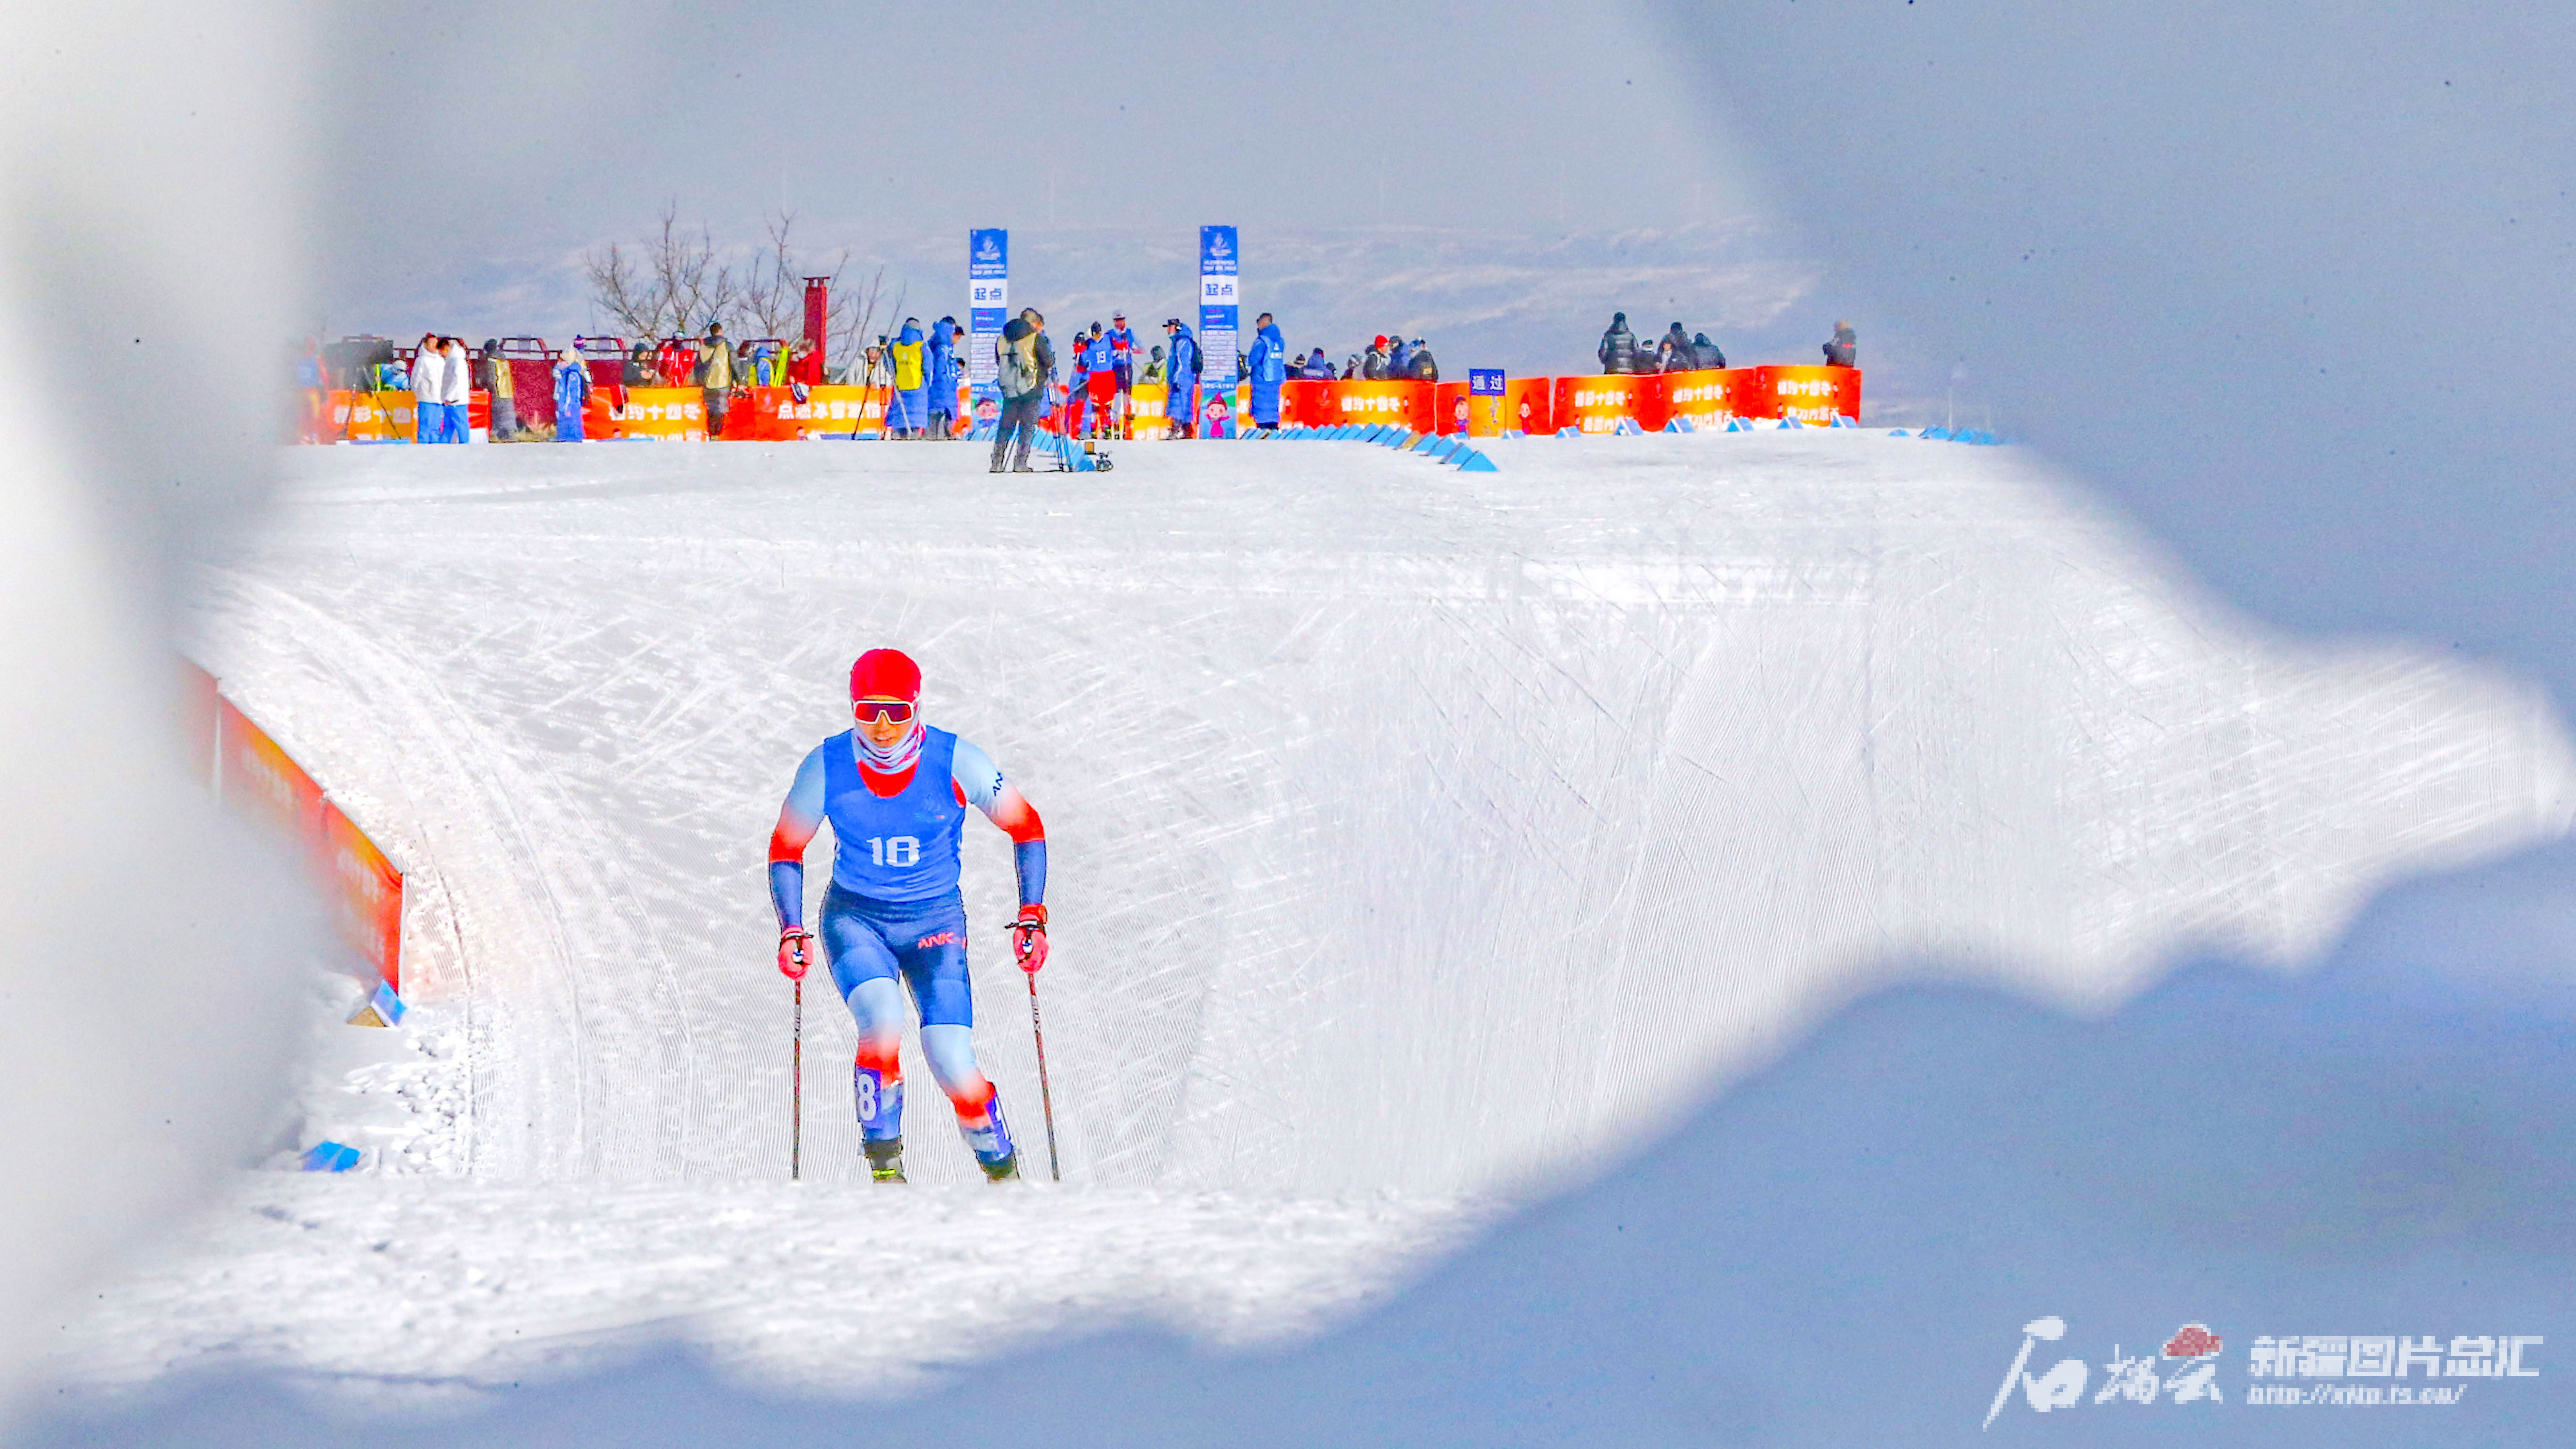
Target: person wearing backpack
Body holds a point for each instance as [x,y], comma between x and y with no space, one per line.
[715,374]
[1023,384]
[910,413]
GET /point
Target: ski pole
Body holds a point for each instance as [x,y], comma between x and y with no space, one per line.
[1046,1094]
[796,1094]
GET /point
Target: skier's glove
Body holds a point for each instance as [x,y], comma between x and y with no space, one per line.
[795,953]
[1029,939]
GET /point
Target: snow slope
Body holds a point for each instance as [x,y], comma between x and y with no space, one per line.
[1413,831]
[1411,828]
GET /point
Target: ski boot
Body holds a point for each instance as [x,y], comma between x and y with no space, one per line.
[990,1141]
[885,1159]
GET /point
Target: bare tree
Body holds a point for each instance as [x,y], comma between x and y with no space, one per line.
[774,294]
[669,286]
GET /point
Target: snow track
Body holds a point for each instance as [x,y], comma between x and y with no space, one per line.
[1417,838]
[1412,828]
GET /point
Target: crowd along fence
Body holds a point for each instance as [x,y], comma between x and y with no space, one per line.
[250,772]
[1534,405]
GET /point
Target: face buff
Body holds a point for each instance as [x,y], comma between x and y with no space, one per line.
[891,759]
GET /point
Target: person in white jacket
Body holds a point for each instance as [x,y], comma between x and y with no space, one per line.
[429,391]
[460,391]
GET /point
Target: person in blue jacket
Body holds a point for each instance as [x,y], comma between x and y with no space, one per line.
[943,378]
[1182,409]
[572,394]
[1269,368]
[1317,369]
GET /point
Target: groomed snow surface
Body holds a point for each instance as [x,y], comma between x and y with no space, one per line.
[1420,840]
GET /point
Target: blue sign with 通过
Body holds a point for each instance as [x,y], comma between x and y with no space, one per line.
[1484,382]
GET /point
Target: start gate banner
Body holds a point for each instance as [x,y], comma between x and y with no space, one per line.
[1596,404]
[1220,269]
[1710,394]
[1809,394]
[988,305]
[1355,401]
[664,413]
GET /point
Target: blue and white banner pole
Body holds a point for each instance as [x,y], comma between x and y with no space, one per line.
[1219,317]
[988,304]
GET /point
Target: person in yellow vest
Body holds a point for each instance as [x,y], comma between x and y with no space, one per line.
[909,415]
[715,374]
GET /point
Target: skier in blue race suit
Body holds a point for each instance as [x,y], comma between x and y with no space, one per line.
[1269,365]
[943,378]
[896,792]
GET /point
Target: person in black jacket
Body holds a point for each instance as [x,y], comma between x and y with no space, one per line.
[1675,351]
[1618,350]
[1704,352]
[1419,365]
[1844,350]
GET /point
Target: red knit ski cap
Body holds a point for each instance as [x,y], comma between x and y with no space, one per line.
[885,674]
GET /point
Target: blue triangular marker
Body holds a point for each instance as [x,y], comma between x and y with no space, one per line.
[1472,461]
[1569,432]
[331,1157]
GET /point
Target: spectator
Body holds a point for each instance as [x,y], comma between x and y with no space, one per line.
[1675,351]
[428,391]
[1350,367]
[1420,366]
[1154,371]
[572,394]
[1373,361]
[1844,350]
[312,378]
[1704,352]
[1316,368]
[1023,384]
[1618,350]
[943,378]
[496,380]
[804,365]
[1399,357]
[457,400]
[908,414]
[1269,367]
[715,373]
[1182,403]
[639,367]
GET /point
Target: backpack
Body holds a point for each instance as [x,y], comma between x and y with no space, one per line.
[1018,371]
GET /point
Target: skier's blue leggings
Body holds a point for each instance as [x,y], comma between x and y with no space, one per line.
[873,944]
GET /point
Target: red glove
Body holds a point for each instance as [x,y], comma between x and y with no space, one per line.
[1028,938]
[795,952]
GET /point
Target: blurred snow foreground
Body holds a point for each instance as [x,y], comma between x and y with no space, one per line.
[1422,842]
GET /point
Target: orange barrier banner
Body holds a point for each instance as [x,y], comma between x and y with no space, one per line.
[1529,404]
[1147,419]
[829,411]
[366,892]
[1709,395]
[1597,404]
[1808,394]
[1408,403]
[1301,403]
[247,768]
[663,413]
[371,417]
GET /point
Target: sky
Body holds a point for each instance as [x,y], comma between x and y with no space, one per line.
[1499,188]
